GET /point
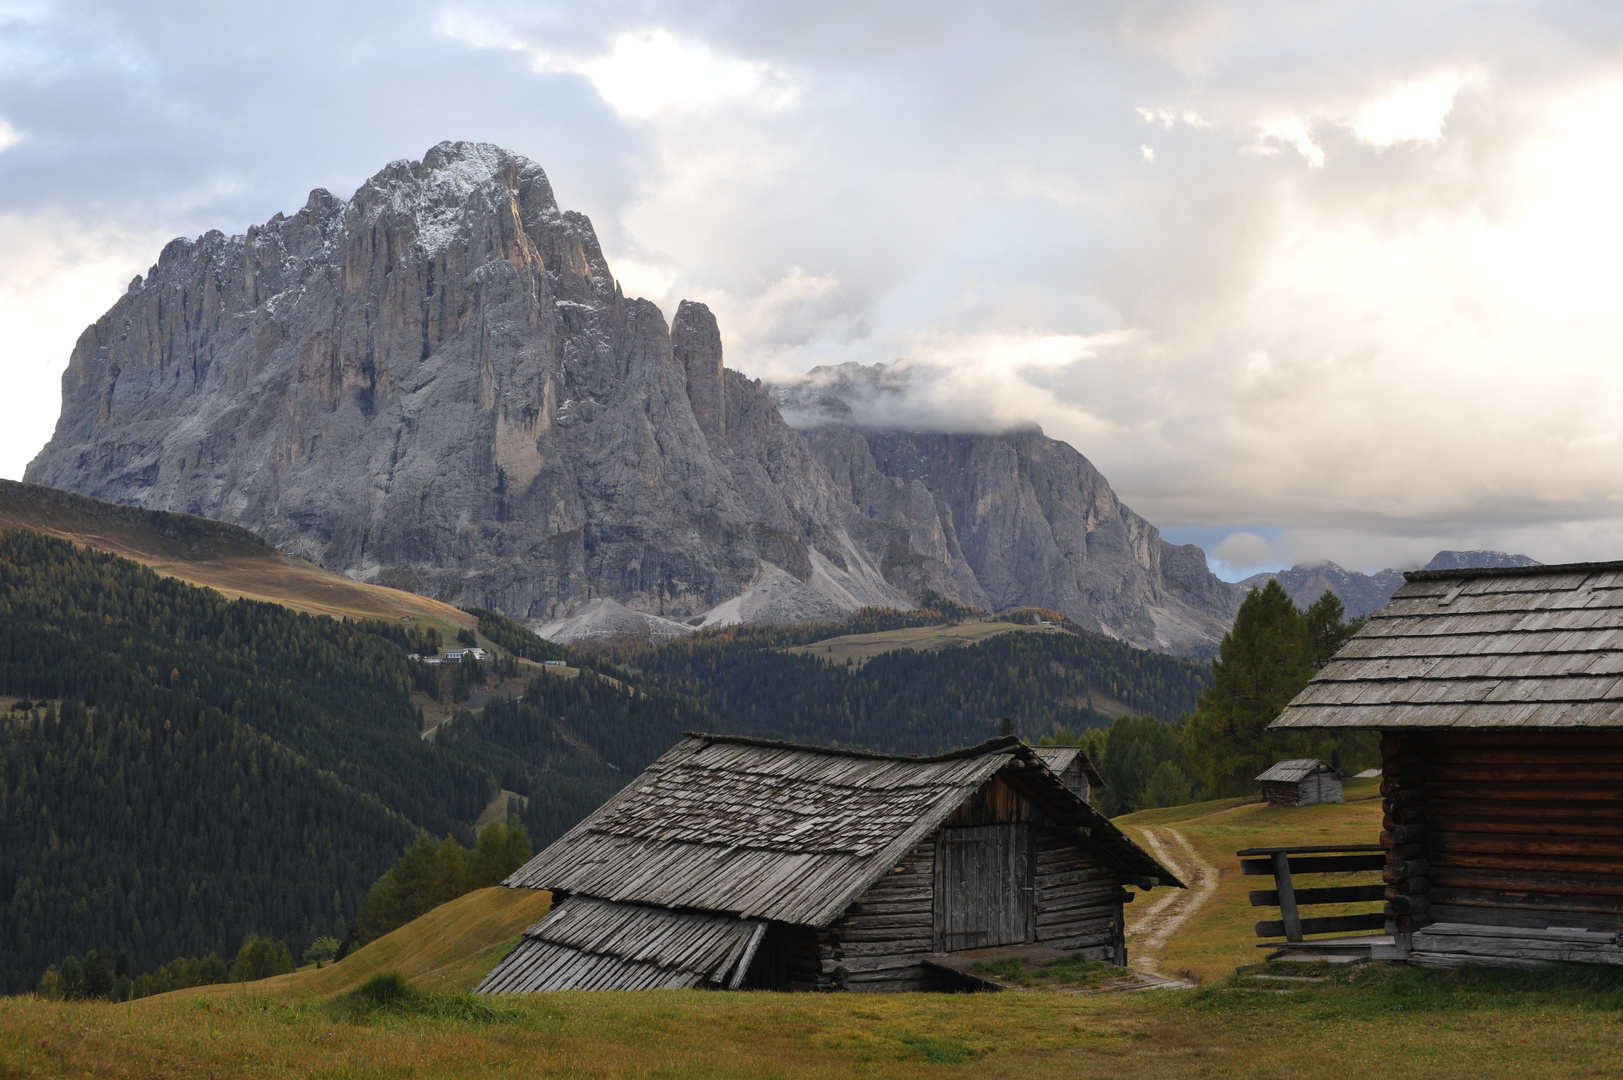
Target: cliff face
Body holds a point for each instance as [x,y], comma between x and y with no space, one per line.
[1017,518]
[437,384]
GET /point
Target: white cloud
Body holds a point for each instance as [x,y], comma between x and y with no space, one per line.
[1290,131]
[476,30]
[9,136]
[1243,551]
[649,72]
[57,276]
[1148,153]
[1412,112]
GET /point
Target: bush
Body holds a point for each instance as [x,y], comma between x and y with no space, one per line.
[390,993]
[322,950]
[260,958]
[384,990]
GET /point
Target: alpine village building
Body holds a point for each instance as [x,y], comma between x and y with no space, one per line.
[1300,782]
[1498,694]
[743,863]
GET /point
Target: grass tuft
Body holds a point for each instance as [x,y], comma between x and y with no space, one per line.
[388,994]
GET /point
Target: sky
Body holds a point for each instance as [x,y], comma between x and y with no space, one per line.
[1305,281]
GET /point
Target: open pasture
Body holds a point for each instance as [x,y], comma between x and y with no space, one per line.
[1482,1026]
[860,648]
[211,554]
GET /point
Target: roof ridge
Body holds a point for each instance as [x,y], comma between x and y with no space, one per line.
[1513,571]
[990,746]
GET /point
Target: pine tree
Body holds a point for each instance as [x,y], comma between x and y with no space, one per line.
[1263,662]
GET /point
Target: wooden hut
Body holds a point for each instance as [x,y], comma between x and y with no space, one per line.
[1499,697]
[1300,782]
[1074,768]
[736,862]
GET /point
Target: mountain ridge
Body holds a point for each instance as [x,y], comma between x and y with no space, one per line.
[1362,593]
[438,385]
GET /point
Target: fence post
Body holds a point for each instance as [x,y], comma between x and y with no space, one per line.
[1287,897]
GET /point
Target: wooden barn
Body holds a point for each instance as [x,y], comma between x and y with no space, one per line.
[1073,767]
[1499,697]
[1300,782]
[735,862]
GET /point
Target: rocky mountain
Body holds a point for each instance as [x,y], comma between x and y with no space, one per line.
[1362,593]
[1019,518]
[437,384]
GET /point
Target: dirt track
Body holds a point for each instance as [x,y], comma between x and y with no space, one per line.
[1171,908]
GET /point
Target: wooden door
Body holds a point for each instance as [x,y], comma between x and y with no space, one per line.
[983,888]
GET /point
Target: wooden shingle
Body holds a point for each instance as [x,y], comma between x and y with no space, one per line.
[1507,647]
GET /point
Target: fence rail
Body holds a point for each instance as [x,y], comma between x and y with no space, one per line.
[1284,863]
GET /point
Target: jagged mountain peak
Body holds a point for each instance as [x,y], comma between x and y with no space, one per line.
[436,384]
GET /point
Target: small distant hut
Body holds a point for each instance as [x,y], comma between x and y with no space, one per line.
[1074,768]
[742,863]
[1498,696]
[1300,782]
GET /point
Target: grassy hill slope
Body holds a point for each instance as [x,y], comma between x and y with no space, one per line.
[1217,932]
[447,950]
[213,554]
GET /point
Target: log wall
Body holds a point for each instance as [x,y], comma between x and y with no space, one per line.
[1508,829]
[1079,902]
[1403,832]
[882,939]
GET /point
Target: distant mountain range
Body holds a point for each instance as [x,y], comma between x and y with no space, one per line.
[1363,593]
[438,385]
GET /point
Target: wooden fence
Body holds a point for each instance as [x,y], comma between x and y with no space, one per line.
[1285,863]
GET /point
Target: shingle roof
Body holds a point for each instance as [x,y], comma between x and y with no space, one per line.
[1060,758]
[586,944]
[1289,772]
[1528,647]
[769,830]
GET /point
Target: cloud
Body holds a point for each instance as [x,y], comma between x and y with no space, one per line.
[1412,112]
[1244,551]
[1288,131]
[1358,299]
[9,136]
[649,72]
[644,73]
[56,276]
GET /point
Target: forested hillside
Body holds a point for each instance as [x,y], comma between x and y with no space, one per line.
[187,770]
[917,702]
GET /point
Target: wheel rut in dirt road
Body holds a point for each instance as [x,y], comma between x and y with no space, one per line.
[1170,912]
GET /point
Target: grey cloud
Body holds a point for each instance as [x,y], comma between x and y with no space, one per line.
[954,182]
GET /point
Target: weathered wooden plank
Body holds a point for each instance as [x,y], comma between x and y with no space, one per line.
[1550,902]
[1340,894]
[1525,949]
[1464,860]
[1332,864]
[1509,915]
[1328,924]
[1529,881]
[1443,845]
[1517,792]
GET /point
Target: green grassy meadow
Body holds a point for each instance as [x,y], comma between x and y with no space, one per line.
[1480,1025]
[1219,935]
[1369,1020]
